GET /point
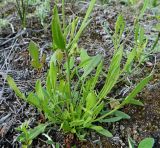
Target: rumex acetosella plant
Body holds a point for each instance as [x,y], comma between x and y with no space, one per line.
[69,98]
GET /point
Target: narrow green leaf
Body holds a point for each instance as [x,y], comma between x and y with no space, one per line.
[91,100]
[33,100]
[98,109]
[73,28]
[131,142]
[129,61]
[39,90]
[136,102]
[53,75]
[76,122]
[136,32]
[113,74]
[113,119]
[119,29]
[91,65]
[146,143]
[87,122]
[145,5]
[48,84]
[137,89]
[37,130]
[101,130]
[95,79]
[121,114]
[13,85]
[57,35]
[32,133]
[83,55]
[34,52]
[120,25]
[85,22]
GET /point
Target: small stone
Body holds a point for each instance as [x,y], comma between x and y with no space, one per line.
[149,64]
[122,127]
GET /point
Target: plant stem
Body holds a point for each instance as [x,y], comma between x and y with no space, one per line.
[68,72]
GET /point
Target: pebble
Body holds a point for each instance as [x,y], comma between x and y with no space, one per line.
[149,64]
[122,127]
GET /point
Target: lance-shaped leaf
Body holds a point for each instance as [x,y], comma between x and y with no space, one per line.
[91,100]
[130,59]
[91,65]
[113,74]
[32,133]
[136,90]
[101,130]
[34,52]
[57,35]
[13,85]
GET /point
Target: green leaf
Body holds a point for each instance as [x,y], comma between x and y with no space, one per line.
[39,90]
[91,65]
[34,52]
[136,102]
[85,22]
[76,122]
[113,119]
[101,130]
[98,109]
[127,100]
[120,25]
[34,100]
[87,122]
[146,143]
[57,35]
[113,74]
[13,85]
[95,79]
[57,145]
[71,63]
[53,75]
[145,5]
[73,28]
[91,100]
[84,56]
[137,89]
[136,32]
[131,142]
[130,59]
[33,133]
[119,29]
[121,114]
